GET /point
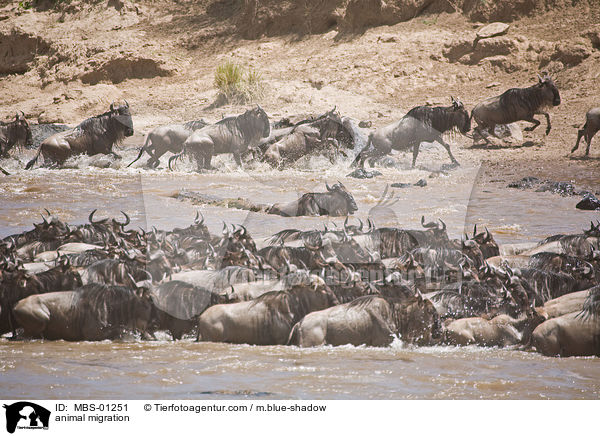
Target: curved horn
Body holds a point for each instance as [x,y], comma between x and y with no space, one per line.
[244,231]
[112,106]
[361,225]
[540,78]
[474,230]
[91,217]
[126,104]
[44,218]
[197,217]
[423,220]
[371,224]
[443,225]
[225,229]
[328,187]
[127,220]
[488,235]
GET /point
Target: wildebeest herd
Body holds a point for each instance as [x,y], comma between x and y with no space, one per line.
[283,143]
[354,284]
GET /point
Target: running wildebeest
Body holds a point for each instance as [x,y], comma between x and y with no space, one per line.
[96,135]
[337,201]
[230,135]
[590,128]
[420,124]
[167,138]
[516,104]
[16,132]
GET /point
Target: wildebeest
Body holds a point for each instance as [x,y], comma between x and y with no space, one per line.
[420,124]
[19,284]
[16,132]
[92,313]
[267,320]
[167,138]
[230,135]
[93,136]
[568,335]
[500,331]
[179,304]
[369,320]
[590,128]
[337,201]
[516,104]
[215,280]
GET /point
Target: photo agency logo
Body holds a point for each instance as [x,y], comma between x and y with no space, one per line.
[25,415]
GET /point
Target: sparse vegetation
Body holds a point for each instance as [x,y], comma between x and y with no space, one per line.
[237,84]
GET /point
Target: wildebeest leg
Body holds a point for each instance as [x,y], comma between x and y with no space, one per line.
[416,147]
[479,130]
[535,124]
[588,139]
[447,147]
[549,126]
[238,159]
[580,133]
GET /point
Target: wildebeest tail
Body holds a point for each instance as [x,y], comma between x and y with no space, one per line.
[32,162]
[360,153]
[144,148]
[294,338]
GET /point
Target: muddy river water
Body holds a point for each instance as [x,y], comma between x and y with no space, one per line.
[188,370]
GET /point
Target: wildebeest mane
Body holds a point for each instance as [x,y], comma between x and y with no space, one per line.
[292,301]
[195,125]
[111,306]
[591,306]
[441,119]
[514,100]
[99,126]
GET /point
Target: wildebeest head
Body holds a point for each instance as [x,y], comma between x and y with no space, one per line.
[122,116]
[487,243]
[343,193]
[460,116]
[549,89]
[259,120]
[16,133]
[49,230]
[594,230]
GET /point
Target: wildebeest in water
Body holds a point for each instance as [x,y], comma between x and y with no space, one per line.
[517,104]
[96,135]
[167,138]
[16,132]
[420,124]
[230,135]
[337,201]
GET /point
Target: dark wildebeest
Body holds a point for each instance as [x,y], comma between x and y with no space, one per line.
[590,128]
[516,104]
[369,320]
[16,132]
[18,285]
[92,313]
[337,201]
[487,244]
[179,304]
[267,320]
[93,136]
[167,138]
[420,124]
[230,135]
